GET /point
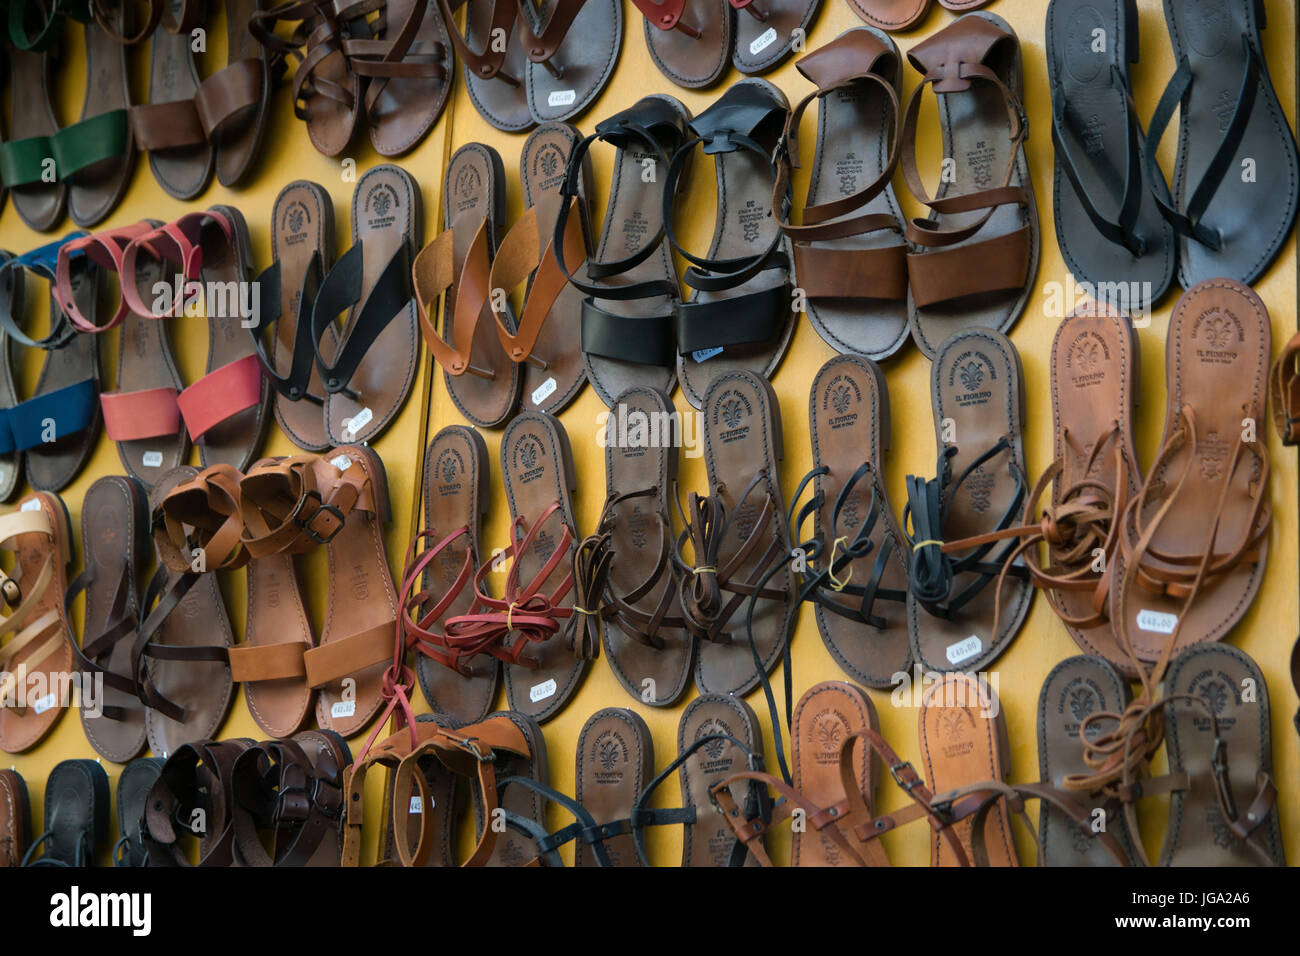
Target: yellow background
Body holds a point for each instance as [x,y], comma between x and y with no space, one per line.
[1266,632]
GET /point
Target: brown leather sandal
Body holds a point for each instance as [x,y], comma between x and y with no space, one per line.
[15,818]
[689,40]
[891,15]
[572,46]
[494,70]
[445,807]
[478,373]
[615,760]
[768,31]
[409,70]
[40,201]
[979,248]
[191,803]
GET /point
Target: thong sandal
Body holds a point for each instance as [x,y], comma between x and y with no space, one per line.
[76,816]
[15,819]
[768,31]
[1108,226]
[630,283]
[373,366]
[689,40]
[442,562]
[1230,223]
[615,760]
[572,46]
[133,786]
[37,645]
[850,260]
[979,248]
[739,314]
[626,565]
[492,50]
[552,316]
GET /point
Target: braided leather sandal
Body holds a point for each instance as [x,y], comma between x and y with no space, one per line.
[191,802]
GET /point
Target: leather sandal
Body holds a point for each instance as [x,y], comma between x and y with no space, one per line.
[76,816]
[584,831]
[15,818]
[689,40]
[532,627]
[37,639]
[850,259]
[552,315]
[891,15]
[615,760]
[12,287]
[441,563]
[494,70]
[447,794]
[572,47]
[979,247]
[371,369]
[741,300]
[957,523]
[133,786]
[1108,226]
[718,734]
[190,803]
[627,580]
[302,250]
[28,169]
[630,284]
[1229,224]
[477,369]
[768,31]
[67,390]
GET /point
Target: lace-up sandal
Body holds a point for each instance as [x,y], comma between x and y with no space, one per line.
[615,760]
[625,570]
[1194,543]
[15,818]
[133,786]
[572,46]
[495,59]
[58,426]
[718,735]
[630,284]
[441,563]
[1230,224]
[552,315]
[478,373]
[958,523]
[302,249]
[1108,226]
[76,816]
[963,736]
[26,159]
[35,637]
[979,249]
[850,259]
[768,31]
[191,803]
[689,40]
[739,314]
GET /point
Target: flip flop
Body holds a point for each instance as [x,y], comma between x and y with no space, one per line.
[495,59]
[615,760]
[27,165]
[482,381]
[372,368]
[1231,223]
[741,301]
[689,40]
[572,46]
[76,816]
[768,31]
[15,818]
[850,259]
[978,250]
[133,786]
[1108,226]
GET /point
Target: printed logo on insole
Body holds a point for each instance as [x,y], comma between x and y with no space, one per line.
[381,206]
[467,187]
[1080,698]
[847,171]
[611,754]
[529,463]
[730,416]
[826,733]
[842,396]
[971,374]
[954,726]
[294,222]
[714,756]
[1218,335]
[548,166]
[451,469]
[1220,693]
[1087,360]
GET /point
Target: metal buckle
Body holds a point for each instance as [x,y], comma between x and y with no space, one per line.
[321,505]
[895,771]
[943,810]
[470,745]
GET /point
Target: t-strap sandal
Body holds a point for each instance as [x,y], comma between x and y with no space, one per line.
[572,46]
[978,251]
[615,760]
[372,368]
[740,312]
[28,169]
[35,637]
[191,803]
[302,249]
[15,818]
[850,259]
[482,380]
[495,59]
[768,31]
[738,536]
[1236,182]
[689,40]
[1108,226]
[630,283]
[718,735]
[133,786]
[76,816]
[552,316]
[957,523]
[626,565]
[437,583]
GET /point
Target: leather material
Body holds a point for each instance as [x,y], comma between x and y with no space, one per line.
[706,839]
[192,797]
[40,204]
[767,31]
[133,786]
[494,77]
[614,761]
[891,15]
[691,44]
[76,816]
[180,155]
[15,819]
[444,800]
[581,40]
[410,84]
[95,190]
[236,125]
[12,289]
[220,395]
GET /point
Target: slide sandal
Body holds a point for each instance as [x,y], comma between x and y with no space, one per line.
[27,167]
[234,104]
[689,40]
[12,286]
[768,31]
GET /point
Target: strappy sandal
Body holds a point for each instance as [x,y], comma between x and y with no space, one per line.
[739,314]
[492,50]
[572,46]
[624,569]
[441,563]
[689,40]
[482,380]
[302,250]
[1230,224]
[372,368]
[57,427]
[768,31]
[1108,226]
[850,260]
[191,802]
[957,522]
[37,639]
[979,249]
[615,759]
[15,818]
[133,786]
[630,284]
[552,315]
[76,816]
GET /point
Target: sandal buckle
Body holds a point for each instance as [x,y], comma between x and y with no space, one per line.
[898,770]
[321,506]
